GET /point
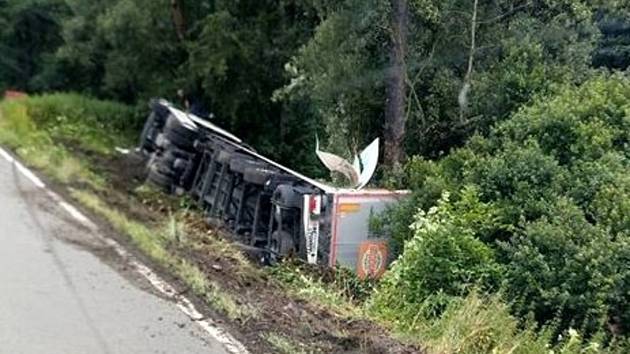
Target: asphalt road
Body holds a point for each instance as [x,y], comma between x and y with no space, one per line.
[62,291]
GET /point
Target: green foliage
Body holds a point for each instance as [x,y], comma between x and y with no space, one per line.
[445,259]
[478,324]
[277,71]
[614,45]
[338,292]
[340,72]
[569,131]
[519,178]
[521,51]
[231,58]
[95,125]
[238,59]
[30,32]
[125,50]
[41,128]
[539,193]
[564,268]
[549,209]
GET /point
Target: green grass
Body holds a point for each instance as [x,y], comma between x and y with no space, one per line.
[37,128]
[147,240]
[476,324]
[481,324]
[308,288]
[225,302]
[94,124]
[284,345]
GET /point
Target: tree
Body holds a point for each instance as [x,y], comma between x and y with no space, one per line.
[456,51]
[123,50]
[396,86]
[238,61]
[30,32]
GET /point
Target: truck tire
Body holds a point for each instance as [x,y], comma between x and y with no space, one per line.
[160,141]
[282,243]
[172,150]
[183,142]
[165,167]
[161,111]
[180,164]
[175,126]
[161,180]
[258,175]
[146,138]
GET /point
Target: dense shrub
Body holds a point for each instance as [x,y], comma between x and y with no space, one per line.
[93,124]
[550,209]
[43,130]
[47,109]
[578,124]
[444,259]
[562,267]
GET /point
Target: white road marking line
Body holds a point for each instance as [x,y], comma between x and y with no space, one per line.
[6,155]
[230,344]
[25,171]
[30,175]
[53,196]
[78,215]
[183,303]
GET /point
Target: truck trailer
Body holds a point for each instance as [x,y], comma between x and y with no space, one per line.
[267,207]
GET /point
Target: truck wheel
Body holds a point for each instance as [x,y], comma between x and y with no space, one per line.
[258,175]
[174,125]
[145,136]
[181,141]
[177,152]
[161,111]
[282,243]
[180,164]
[161,180]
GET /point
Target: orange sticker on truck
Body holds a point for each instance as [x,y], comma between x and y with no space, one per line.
[372,260]
[349,207]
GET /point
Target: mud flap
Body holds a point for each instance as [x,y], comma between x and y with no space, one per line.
[311,212]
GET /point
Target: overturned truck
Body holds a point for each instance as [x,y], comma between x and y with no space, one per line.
[268,207]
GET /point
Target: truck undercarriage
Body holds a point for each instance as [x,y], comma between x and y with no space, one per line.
[266,206]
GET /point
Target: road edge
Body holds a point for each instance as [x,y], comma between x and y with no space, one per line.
[185,305]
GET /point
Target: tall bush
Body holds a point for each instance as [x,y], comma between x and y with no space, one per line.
[444,259]
[551,211]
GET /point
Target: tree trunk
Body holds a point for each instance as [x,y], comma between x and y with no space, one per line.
[179,19]
[396,86]
[466,87]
